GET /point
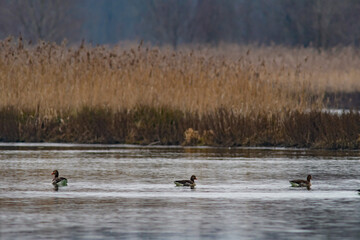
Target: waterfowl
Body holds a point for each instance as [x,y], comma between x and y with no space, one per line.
[58,181]
[301,183]
[186,183]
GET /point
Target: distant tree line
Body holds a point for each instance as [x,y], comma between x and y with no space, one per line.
[318,23]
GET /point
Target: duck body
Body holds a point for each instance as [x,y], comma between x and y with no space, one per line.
[301,183]
[58,181]
[186,183]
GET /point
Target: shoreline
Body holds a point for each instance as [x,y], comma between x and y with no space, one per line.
[55,145]
[146,126]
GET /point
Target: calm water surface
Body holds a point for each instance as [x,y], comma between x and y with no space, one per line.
[127,192]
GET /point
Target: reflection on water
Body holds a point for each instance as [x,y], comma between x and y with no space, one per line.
[128,192]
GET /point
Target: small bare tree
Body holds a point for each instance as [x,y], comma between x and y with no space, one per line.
[168,21]
[51,20]
[214,21]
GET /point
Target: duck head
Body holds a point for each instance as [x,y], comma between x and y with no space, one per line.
[309,177]
[193,177]
[55,173]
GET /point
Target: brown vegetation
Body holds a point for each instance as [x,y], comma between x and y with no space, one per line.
[147,125]
[231,95]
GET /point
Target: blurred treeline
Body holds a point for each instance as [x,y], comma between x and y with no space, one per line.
[316,23]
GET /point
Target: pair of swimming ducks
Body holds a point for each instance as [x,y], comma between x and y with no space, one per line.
[61,181]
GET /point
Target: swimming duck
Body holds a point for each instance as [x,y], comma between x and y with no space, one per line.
[186,183]
[58,181]
[301,183]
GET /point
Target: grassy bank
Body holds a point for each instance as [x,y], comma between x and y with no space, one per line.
[226,96]
[146,125]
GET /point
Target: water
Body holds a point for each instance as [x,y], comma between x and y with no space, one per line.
[127,192]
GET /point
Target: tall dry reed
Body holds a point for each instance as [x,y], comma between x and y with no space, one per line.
[247,80]
[226,96]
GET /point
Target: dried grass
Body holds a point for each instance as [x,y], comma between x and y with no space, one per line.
[246,79]
[226,96]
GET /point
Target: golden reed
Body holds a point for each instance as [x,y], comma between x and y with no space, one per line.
[228,95]
[246,79]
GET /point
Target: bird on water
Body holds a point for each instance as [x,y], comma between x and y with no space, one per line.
[58,181]
[301,183]
[186,183]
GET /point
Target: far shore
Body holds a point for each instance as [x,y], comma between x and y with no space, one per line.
[163,126]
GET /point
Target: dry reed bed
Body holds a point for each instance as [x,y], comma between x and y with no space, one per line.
[245,79]
[148,125]
[230,95]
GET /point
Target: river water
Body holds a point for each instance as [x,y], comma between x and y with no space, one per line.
[127,192]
